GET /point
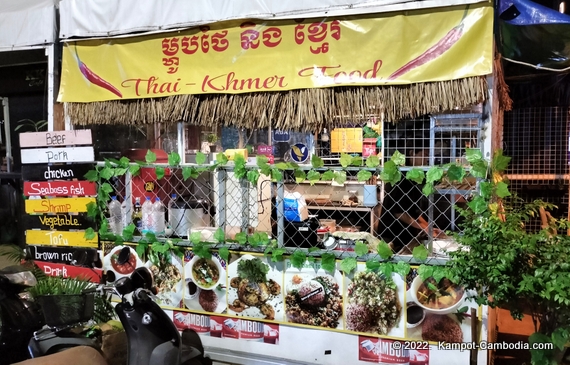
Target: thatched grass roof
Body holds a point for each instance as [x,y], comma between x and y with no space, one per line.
[307,109]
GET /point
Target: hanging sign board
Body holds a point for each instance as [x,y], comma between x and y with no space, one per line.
[60,238]
[55,172]
[58,205]
[58,155]
[263,56]
[61,222]
[59,188]
[55,139]
[62,255]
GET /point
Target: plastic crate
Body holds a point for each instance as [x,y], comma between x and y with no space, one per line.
[66,309]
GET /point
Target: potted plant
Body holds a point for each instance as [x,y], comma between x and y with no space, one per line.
[212,138]
[513,267]
[31,126]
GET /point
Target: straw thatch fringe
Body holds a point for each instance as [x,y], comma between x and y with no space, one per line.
[306,109]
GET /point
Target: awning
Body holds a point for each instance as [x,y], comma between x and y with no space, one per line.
[108,18]
[26,23]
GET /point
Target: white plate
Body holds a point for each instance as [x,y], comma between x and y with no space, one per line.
[193,302]
[107,261]
[171,297]
[275,301]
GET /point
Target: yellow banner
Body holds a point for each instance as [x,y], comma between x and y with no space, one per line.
[396,48]
[60,238]
[57,205]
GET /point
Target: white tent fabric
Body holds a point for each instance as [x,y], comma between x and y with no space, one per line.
[25,23]
[109,18]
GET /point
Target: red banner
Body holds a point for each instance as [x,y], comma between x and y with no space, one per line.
[69,271]
[59,188]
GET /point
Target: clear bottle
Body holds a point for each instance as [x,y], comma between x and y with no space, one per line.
[115,216]
[147,216]
[158,217]
[126,212]
[137,215]
[170,217]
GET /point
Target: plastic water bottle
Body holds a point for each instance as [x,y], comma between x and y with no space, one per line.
[115,216]
[147,216]
[171,224]
[159,218]
[126,212]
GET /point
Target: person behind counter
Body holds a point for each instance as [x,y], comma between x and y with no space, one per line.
[404,208]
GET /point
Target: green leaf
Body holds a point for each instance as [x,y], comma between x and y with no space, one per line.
[202,251]
[502,190]
[559,338]
[263,238]
[282,166]
[373,161]
[221,158]
[159,172]
[119,171]
[317,162]
[500,162]
[416,174]
[89,233]
[398,158]
[276,175]
[455,173]
[340,177]
[420,253]
[425,271]
[384,250]
[345,160]
[106,173]
[328,262]
[298,259]
[473,154]
[92,210]
[439,272]
[141,250]
[224,253]
[200,158]
[313,249]
[241,237]
[300,176]
[360,249]
[174,159]
[253,176]
[486,189]
[195,237]
[478,205]
[313,176]
[390,173]
[124,162]
[328,175]
[135,169]
[434,174]
[219,235]
[356,161]
[106,187]
[129,231]
[92,175]
[348,264]
[150,157]
[479,169]
[402,268]
[363,175]
[372,265]
[159,247]
[277,254]
[428,189]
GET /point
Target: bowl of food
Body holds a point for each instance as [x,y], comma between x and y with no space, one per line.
[415,315]
[441,297]
[205,272]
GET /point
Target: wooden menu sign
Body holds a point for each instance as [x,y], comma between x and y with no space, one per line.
[58,155]
[55,138]
[56,172]
[58,205]
[61,222]
[62,255]
[60,238]
[59,188]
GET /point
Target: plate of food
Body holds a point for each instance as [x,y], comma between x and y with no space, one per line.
[122,261]
[168,280]
[313,299]
[205,287]
[255,289]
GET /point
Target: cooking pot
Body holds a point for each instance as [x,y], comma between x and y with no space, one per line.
[184,215]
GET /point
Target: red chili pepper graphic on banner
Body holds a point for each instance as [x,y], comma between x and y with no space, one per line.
[435,51]
[94,78]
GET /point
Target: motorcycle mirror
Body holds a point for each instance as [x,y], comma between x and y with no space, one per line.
[79,258]
[124,286]
[110,276]
[124,255]
[142,278]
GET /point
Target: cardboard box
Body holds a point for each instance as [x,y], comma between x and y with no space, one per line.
[346,140]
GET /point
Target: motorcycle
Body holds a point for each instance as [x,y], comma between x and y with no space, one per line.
[152,337]
[19,317]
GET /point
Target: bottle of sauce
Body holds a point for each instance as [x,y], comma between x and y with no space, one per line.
[137,216]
